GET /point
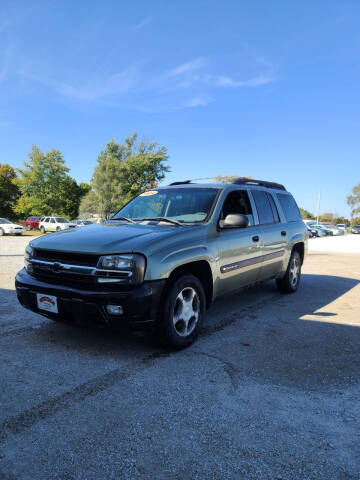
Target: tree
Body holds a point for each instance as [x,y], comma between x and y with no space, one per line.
[45,186]
[9,191]
[124,170]
[354,200]
[228,178]
[327,217]
[306,214]
[341,220]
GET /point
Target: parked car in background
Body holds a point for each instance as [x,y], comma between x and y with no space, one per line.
[319,232]
[326,230]
[9,228]
[335,230]
[54,224]
[308,223]
[312,232]
[355,229]
[32,222]
[81,223]
[342,226]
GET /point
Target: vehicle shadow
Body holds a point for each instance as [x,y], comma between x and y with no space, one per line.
[309,339]
[294,339]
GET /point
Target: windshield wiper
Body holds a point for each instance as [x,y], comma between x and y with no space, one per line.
[125,219]
[163,219]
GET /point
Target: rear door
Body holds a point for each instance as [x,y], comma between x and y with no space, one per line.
[273,234]
[239,248]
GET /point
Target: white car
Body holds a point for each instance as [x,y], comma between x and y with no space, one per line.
[9,228]
[81,223]
[341,226]
[54,224]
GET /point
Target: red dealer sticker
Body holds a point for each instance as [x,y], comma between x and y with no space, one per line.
[47,302]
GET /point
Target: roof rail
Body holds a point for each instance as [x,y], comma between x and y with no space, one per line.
[180,183]
[260,183]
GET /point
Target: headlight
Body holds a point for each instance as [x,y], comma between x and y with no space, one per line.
[29,251]
[127,268]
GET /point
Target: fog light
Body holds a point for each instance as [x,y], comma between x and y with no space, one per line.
[115,309]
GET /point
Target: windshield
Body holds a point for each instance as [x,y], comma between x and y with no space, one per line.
[186,205]
[61,220]
[3,220]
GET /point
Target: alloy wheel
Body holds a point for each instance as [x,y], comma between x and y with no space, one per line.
[186,311]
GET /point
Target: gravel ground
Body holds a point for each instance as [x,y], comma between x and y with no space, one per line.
[269,391]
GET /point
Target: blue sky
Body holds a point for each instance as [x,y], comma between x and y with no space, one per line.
[268,89]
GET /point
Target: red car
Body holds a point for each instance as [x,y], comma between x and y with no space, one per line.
[32,222]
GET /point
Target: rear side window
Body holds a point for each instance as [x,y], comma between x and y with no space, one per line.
[290,209]
[273,208]
[264,208]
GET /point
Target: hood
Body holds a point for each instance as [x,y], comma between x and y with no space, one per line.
[107,238]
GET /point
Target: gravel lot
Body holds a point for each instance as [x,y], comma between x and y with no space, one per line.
[269,391]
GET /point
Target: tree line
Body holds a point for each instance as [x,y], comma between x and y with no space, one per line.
[44,187]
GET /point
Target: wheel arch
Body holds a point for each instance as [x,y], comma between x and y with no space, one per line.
[300,248]
[200,269]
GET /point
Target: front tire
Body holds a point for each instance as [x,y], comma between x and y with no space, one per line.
[42,229]
[182,312]
[291,281]
[28,227]
[2,232]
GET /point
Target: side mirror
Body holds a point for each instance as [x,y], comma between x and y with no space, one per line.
[234,220]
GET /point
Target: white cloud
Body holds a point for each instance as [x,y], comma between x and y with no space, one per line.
[142,23]
[198,101]
[257,81]
[118,83]
[184,68]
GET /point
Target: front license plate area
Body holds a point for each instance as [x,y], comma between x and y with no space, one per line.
[47,302]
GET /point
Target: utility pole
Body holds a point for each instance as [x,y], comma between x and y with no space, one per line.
[318,214]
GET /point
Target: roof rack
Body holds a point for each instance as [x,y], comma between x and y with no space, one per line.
[261,183]
[180,183]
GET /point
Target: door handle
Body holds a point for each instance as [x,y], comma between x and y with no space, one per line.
[255,238]
[283,233]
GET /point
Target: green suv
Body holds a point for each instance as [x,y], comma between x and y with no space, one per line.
[165,256]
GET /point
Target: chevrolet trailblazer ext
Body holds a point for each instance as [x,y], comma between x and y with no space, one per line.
[165,256]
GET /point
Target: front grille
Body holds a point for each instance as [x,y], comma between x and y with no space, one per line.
[81,279]
[70,258]
[64,278]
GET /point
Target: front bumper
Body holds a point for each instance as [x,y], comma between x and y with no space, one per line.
[140,304]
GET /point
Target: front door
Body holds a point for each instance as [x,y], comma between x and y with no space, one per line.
[239,248]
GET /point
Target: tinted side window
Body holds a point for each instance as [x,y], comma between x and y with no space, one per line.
[290,209]
[273,208]
[263,207]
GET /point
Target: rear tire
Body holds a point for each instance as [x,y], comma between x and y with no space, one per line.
[2,232]
[182,313]
[42,229]
[291,280]
[58,229]
[28,227]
